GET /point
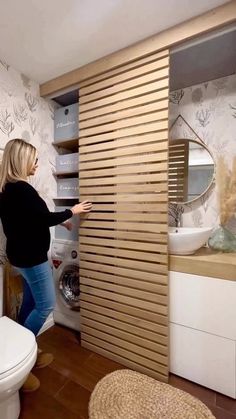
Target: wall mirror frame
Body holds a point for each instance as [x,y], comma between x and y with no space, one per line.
[191,168]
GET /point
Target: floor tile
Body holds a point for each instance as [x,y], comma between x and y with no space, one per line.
[75,398]
[222,414]
[39,405]
[206,395]
[226,403]
[50,380]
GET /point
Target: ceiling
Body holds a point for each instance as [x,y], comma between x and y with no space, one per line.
[44,39]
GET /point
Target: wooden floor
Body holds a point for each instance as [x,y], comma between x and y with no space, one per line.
[67,383]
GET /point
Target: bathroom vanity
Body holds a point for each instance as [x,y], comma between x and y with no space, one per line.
[203,319]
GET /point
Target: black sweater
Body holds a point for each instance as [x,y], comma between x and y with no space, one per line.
[26,221]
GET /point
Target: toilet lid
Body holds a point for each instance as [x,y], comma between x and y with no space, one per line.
[16,343]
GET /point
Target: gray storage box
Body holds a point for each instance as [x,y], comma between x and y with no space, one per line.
[67,163]
[66,123]
[68,187]
[62,233]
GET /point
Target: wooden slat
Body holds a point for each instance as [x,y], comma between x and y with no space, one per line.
[128,226]
[123,241]
[127,272]
[178,170]
[155,86]
[123,253]
[124,123]
[129,74]
[126,216]
[129,188]
[126,179]
[125,113]
[139,198]
[126,263]
[113,171]
[149,306]
[123,321]
[126,85]
[127,207]
[125,244]
[124,281]
[126,132]
[123,290]
[112,344]
[120,161]
[125,151]
[139,313]
[125,67]
[116,328]
[125,105]
[150,330]
[124,142]
[124,361]
[126,344]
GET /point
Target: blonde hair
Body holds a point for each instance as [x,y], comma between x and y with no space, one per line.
[17,161]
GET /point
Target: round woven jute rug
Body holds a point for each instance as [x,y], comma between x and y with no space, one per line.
[126,394]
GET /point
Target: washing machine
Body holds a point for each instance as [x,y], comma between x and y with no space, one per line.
[65,261]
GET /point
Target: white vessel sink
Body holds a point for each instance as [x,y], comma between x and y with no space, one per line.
[186,240]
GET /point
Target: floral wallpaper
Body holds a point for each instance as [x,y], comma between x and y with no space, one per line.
[24,114]
[209,110]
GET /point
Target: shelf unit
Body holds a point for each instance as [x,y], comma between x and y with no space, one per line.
[65,198]
[65,146]
[70,144]
[65,174]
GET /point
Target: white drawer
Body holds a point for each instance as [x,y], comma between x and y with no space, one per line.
[203,303]
[203,358]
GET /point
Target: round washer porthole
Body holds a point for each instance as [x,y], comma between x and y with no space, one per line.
[69,286]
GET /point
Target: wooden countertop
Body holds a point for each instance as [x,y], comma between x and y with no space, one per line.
[206,262]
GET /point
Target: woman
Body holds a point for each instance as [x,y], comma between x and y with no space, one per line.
[26,221]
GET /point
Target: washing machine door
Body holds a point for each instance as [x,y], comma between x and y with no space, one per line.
[69,285]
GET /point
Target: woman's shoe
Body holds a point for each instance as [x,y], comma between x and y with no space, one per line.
[43,359]
[31,383]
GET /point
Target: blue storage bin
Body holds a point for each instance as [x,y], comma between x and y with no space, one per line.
[66,123]
[67,163]
[68,187]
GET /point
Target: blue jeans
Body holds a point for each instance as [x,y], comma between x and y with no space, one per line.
[38,296]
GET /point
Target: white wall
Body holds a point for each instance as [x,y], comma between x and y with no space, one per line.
[210,110]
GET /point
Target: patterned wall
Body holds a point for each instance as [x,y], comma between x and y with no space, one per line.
[210,110]
[24,114]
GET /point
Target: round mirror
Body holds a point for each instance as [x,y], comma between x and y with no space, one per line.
[191,170]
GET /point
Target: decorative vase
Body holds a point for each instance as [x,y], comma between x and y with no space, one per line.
[223,240]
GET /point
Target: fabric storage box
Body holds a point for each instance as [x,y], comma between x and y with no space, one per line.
[66,122]
[68,187]
[67,163]
[64,234]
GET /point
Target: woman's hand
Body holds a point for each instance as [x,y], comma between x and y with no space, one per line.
[68,225]
[83,207]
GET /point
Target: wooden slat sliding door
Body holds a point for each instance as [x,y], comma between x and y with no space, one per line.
[178,170]
[123,146]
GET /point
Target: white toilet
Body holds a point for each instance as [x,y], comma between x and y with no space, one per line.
[18,352]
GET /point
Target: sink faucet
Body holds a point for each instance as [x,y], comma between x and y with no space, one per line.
[176,211]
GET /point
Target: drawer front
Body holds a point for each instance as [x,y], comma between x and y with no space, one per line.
[203,303]
[203,358]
